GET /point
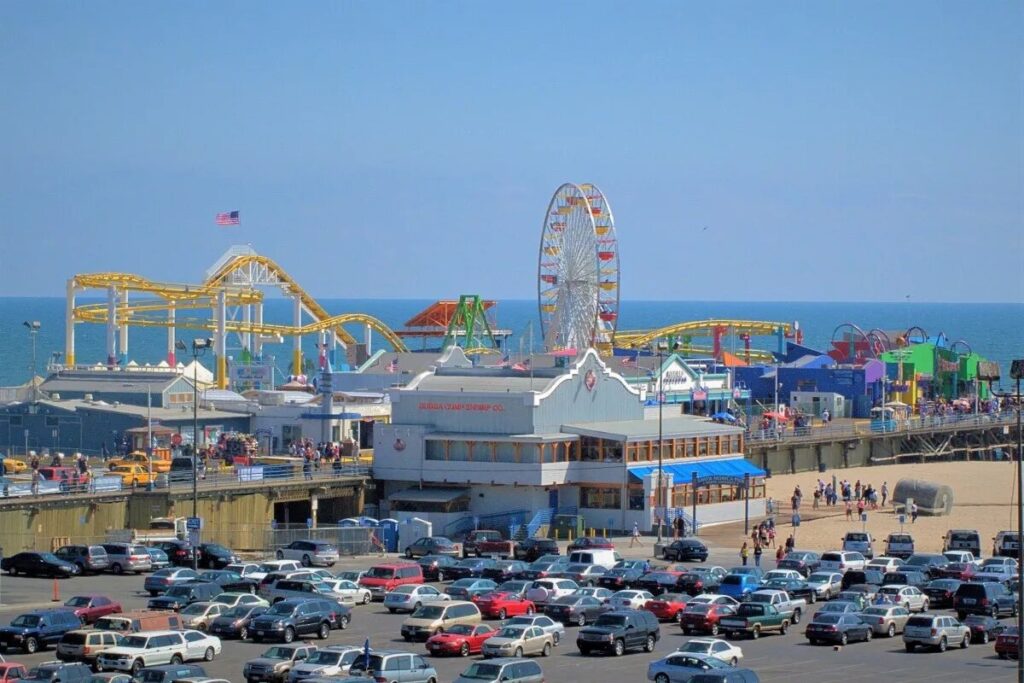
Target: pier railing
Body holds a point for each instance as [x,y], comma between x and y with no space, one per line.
[859,428]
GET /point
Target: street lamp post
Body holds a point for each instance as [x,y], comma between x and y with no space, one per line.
[199,347]
[660,498]
[33,330]
[1016,373]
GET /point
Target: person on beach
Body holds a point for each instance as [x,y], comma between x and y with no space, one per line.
[885,492]
[635,538]
[779,554]
[758,551]
[913,512]
[744,553]
[849,510]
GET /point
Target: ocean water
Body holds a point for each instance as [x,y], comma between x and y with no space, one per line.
[993,330]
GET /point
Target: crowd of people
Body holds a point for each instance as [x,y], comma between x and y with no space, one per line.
[320,455]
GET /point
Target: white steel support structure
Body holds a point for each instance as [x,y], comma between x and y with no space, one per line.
[123,330]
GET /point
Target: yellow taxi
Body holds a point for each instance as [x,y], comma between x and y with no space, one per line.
[131,475]
[139,458]
[12,466]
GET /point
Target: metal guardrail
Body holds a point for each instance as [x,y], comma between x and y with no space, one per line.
[350,540]
[867,428]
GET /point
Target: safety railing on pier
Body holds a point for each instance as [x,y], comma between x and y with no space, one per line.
[860,428]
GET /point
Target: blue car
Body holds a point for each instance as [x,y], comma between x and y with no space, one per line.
[738,586]
[471,567]
[680,667]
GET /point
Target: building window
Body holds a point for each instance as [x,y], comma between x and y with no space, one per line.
[434,450]
[590,448]
[52,421]
[636,497]
[601,498]
[15,420]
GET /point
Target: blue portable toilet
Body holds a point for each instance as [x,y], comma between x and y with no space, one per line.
[350,522]
[368,521]
[388,533]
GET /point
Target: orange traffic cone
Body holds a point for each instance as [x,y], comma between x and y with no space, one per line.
[56,590]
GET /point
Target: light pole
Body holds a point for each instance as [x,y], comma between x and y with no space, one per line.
[199,347]
[660,498]
[149,431]
[1016,372]
[33,330]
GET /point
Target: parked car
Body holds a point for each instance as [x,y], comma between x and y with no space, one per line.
[826,584]
[159,581]
[798,588]
[297,617]
[389,665]
[273,566]
[912,599]
[575,609]
[929,564]
[183,594]
[545,623]
[530,549]
[502,670]
[861,542]
[468,589]
[410,598]
[738,585]
[245,569]
[59,672]
[704,618]
[601,594]
[886,564]
[940,592]
[276,663]
[582,574]
[486,543]
[837,628]
[136,621]
[935,630]
[433,619]
[145,649]
[589,543]
[685,549]
[681,667]
[199,615]
[234,622]
[506,570]
[38,629]
[629,599]
[32,563]
[517,641]
[962,539]
[383,578]
[803,561]
[658,582]
[841,561]
[85,645]
[230,600]
[984,598]
[215,556]
[158,559]
[461,639]
[904,577]
[435,567]
[544,590]
[618,578]
[13,672]
[88,558]
[984,628]
[431,545]
[178,552]
[310,553]
[329,662]
[899,544]
[499,605]
[89,608]
[128,557]
[471,567]
[701,580]
[1008,643]
[347,592]
[173,673]
[618,631]
[713,647]
[668,606]
[885,620]
[730,675]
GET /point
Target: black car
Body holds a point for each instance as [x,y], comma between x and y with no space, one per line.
[38,564]
[575,609]
[940,592]
[700,580]
[983,598]
[618,631]
[470,567]
[797,588]
[166,673]
[32,631]
[436,567]
[803,561]
[685,549]
[905,578]
[506,570]
[617,579]
[60,672]
[229,581]
[235,622]
[215,556]
[178,552]
[530,549]
[88,558]
[984,628]
[184,594]
[659,582]
[294,617]
[929,564]
[837,628]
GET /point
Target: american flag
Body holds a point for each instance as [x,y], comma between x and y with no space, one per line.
[229,218]
[504,362]
[393,365]
[522,366]
[629,361]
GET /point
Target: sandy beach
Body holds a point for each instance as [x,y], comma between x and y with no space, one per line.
[984,499]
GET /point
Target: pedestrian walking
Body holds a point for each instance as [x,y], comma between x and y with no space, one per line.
[35,484]
[860,507]
[849,510]
[771,536]
[779,554]
[790,543]
[744,553]
[817,499]
[885,492]
[758,551]
[635,538]
[913,512]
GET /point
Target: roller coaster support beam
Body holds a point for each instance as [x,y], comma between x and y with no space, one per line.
[171,359]
[257,342]
[246,336]
[69,324]
[297,339]
[111,326]
[220,343]
[719,331]
[122,329]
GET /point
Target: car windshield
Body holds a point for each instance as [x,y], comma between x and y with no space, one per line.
[693,646]
[577,568]
[836,607]
[428,612]
[79,601]
[820,578]
[513,586]
[380,573]
[324,657]
[194,609]
[134,641]
[827,618]
[698,608]
[511,632]
[469,563]
[237,612]
[281,609]
[268,568]
[26,620]
[857,537]
[610,620]
[278,652]
[461,630]
[482,671]
[876,611]
[661,577]
[178,591]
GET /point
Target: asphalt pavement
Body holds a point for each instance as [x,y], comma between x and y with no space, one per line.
[776,658]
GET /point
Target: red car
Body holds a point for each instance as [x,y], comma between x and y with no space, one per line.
[668,606]
[703,618]
[502,605]
[1008,644]
[588,542]
[12,672]
[958,570]
[89,608]
[461,639]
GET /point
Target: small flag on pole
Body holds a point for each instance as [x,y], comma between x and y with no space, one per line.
[628,361]
[229,218]
[393,365]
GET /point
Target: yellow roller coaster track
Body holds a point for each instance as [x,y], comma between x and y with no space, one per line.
[639,338]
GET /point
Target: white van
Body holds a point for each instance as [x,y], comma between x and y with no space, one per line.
[600,556]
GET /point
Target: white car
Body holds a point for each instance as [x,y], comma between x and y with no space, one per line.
[782,574]
[334,660]
[411,597]
[909,597]
[201,646]
[630,600]
[842,561]
[274,566]
[962,556]
[601,594]
[312,575]
[885,564]
[149,648]
[240,600]
[1006,567]
[310,553]
[347,592]
[544,591]
[244,569]
[546,624]
[826,585]
[713,599]
[713,647]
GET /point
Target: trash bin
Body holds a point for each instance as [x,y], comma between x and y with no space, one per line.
[561,525]
[822,467]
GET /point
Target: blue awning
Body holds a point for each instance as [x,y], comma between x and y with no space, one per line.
[682,473]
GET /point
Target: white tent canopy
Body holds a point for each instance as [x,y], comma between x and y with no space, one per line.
[196,370]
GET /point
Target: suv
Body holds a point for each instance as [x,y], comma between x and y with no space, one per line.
[309,553]
[935,630]
[215,556]
[145,649]
[984,598]
[295,617]
[34,630]
[619,631]
[962,539]
[128,557]
[88,558]
[183,594]
[860,542]
[389,666]
[85,645]
[384,578]
[503,670]
[1007,544]
[530,549]
[59,672]
[841,560]
[178,552]
[276,663]
[899,545]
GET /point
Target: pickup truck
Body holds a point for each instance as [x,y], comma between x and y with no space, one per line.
[483,543]
[789,607]
[753,619]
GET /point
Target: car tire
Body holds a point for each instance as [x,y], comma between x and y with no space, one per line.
[984,638]
[661,678]
[117,568]
[176,659]
[366,598]
[464,650]
[153,594]
[440,576]
[279,555]
[687,631]
[714,630]
[585,652]
[943,645]
[619,648]
[966,643]
[843,639]
[909,647]
[408,553]
[581,620]
[783,627]
[546,652]
[324,631]
[137,667]
[867,637]
[306,562]
[252,589]
[796,616]
[812,598]
[649,644]
[209,654]
[289,635]
[344,621]
[812,641]
[502,614]
[391,609]
[31,645]
[755,632]
[518,653]
[891,632]
[243,633]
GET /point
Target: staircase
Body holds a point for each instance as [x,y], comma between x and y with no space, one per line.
[673,513]
[541,521]
[499,521]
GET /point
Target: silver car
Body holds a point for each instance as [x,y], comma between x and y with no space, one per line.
[411,597]
[885,620]
[826,585]
[935,630]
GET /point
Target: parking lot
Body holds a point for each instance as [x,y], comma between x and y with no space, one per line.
[775,658]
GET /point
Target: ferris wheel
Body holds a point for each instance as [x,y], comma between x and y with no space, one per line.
[578,270]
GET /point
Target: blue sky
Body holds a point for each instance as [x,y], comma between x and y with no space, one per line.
[835,150]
